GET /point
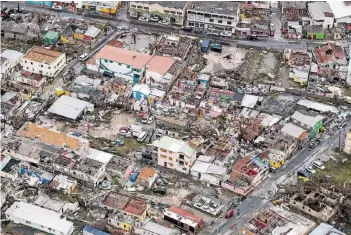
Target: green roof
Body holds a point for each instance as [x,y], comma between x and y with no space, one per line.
[51,35]
[174,145]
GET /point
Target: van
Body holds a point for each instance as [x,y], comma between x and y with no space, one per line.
[142,136]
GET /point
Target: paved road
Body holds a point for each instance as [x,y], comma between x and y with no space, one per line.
[260,199]
[277,43]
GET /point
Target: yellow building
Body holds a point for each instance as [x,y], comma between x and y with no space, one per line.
[120,220]
[109,7]
[172,11]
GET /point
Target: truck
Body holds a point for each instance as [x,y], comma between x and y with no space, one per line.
[136,130]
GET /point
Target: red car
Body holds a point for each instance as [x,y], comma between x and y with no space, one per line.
[229,213]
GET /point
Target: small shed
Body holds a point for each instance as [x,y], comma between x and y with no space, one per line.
[51,37]
[205,45]
[91,33]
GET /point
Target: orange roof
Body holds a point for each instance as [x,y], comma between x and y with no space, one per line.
[56,138]
[146,172]
[42,55]
[119,55]
[160,64]
[303,136]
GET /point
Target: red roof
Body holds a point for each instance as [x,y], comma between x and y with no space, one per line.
[135,59]
[186,214]
[330,52]
[160,64]
[135,207]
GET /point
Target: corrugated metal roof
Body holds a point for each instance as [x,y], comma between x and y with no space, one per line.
[68,107]
[92,32]
[293,130]
[310,121]
[249,101]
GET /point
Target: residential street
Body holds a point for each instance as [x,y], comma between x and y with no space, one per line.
[122,20]
[260,198]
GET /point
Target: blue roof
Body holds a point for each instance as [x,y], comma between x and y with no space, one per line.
[205,43]
[94,231]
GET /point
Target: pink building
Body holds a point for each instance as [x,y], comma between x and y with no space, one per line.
[245,175]
[175,154]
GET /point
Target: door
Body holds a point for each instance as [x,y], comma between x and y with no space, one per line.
[314,37]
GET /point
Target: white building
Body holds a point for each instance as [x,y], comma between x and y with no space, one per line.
[151,228]
[43,61]
[204,170]
[12,57]
[347,148]
[341,11]
[321,14]
[175,154]
[213,16]
[39,218]
[70,107]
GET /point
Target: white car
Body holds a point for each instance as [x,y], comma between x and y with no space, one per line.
[154,19]
[84,56]
[319,165]
[225,34]
[142,19]
[163,22]
[310,170]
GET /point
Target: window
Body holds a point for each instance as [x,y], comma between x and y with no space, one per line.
[179,13]
[146,8]
[163,156]
[230,18]
[185,163]
[27,222]
[128,66]
[25,61]
[171,159]
[181,156]
[184,169]
[211,20]
[106,61]
[229,22]
[49,67]
[220,22]
[173,12]
[163,150]
[181,163]
[191,24]
[171,164]
[166,11]
[132,6]
[140,7]
[207,15]
[41,65]
[27,67]
[31,62]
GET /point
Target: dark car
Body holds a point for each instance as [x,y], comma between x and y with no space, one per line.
[187,29]
[252,37]
[108,74]
[160,190]
[150,133]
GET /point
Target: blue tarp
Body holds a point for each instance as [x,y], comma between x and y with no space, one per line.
[94,231]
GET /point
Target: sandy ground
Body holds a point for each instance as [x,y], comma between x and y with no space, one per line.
[142,41]
[217,62]
[268,63]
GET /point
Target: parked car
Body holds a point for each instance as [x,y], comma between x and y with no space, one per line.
[164,22]
[142,19]
[303,175]
[225,34]
[108,74]
[76,134]
[142,136]
[310,169]
[83,56]
[212,33]
[154,19]
[229,213]
[186,28]
[123,130]
[213,206]
[106,184]
[319,165]
[252,37]
[119,142]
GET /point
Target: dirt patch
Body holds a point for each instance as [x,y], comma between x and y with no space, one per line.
[230,58]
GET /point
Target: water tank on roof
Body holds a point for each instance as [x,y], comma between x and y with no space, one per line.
[134,176]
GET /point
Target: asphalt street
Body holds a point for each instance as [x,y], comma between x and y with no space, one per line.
[260,198]
[276,43]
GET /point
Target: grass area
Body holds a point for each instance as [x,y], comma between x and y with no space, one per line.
[339,171]
[130,145]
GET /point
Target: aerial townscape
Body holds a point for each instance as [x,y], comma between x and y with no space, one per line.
[175,117]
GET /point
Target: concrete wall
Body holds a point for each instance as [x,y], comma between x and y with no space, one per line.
[50,70]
